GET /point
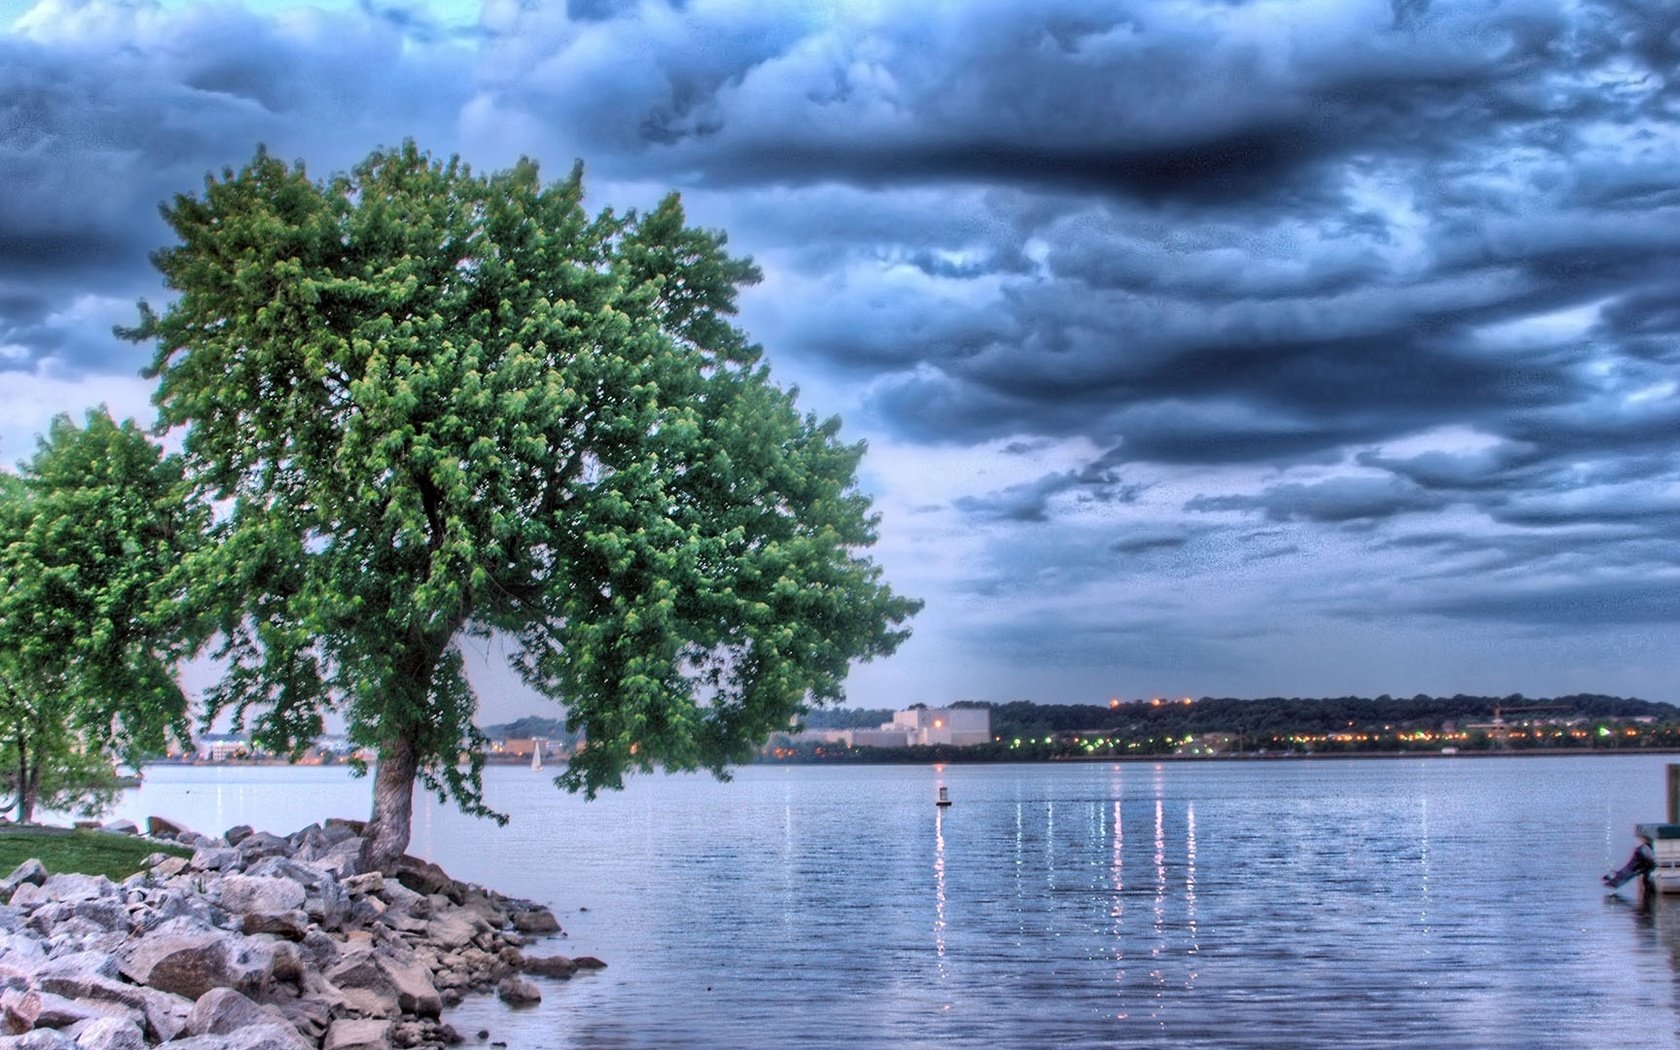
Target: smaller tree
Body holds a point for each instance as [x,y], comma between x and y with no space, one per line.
[92,535]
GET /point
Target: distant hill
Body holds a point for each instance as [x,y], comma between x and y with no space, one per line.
[532,726]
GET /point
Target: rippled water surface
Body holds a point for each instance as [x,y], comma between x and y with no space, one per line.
[1406,903]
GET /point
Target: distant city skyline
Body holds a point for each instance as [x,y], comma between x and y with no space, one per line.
[1202,348]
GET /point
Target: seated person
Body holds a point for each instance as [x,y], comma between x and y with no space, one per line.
[1643,862]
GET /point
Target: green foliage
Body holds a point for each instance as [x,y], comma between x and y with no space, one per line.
[91,622]
[85,852]
[439,404]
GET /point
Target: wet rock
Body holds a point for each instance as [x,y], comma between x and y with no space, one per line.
[538,921]
[550,966]
[517,991]
[589,962]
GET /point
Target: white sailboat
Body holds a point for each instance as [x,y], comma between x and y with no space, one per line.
[536,755]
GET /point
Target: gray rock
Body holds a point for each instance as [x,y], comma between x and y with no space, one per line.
[31,872]
[177,903]
[108,1033]
[260,844]
[28,895]
[273,1036]
[292,925]
[371,882]
[76,887]
[167,867]
[454,929]
[164,1014]
[58,1011]
[238,833]
[358,1035]
[215,858]
[259,893]
[40,1039]
[122,827]
[77,966]
[185,958]
[222,1010]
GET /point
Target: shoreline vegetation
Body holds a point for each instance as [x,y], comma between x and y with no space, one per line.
[253,941]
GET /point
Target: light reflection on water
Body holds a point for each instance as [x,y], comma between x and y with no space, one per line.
[1327,903]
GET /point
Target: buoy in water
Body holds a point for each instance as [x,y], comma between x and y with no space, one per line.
[944,797]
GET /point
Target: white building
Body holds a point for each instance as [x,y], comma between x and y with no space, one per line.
[957,726]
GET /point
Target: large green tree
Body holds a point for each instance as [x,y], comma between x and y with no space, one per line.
[92,536]
[438,404]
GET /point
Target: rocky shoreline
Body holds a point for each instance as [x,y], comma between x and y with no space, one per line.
[259,942]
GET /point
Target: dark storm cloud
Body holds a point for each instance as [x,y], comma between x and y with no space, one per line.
[1095,484]
[1572,604]
[102,118]
[1333,502]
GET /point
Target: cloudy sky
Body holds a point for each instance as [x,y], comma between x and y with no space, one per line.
[1203,347]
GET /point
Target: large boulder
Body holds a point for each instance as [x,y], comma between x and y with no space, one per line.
[164,1015]
[39,1039]
[31,872]
[184,957]
[216,858]
[108,1033]
[260,844]
[454,929]
[222,1011]
[536,921]
[404,981]
[242,894]
[550,966]
[159,827]
[272,1036]
[358,1035]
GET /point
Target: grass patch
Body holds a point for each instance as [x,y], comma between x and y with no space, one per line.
[87,852]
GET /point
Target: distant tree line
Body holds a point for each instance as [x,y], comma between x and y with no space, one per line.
[1026,731]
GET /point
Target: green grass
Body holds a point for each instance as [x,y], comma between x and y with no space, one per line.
[88,852]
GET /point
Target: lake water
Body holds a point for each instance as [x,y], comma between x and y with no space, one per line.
[1440,902]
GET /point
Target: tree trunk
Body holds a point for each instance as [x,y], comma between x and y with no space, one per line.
[393,804]
[29,783]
